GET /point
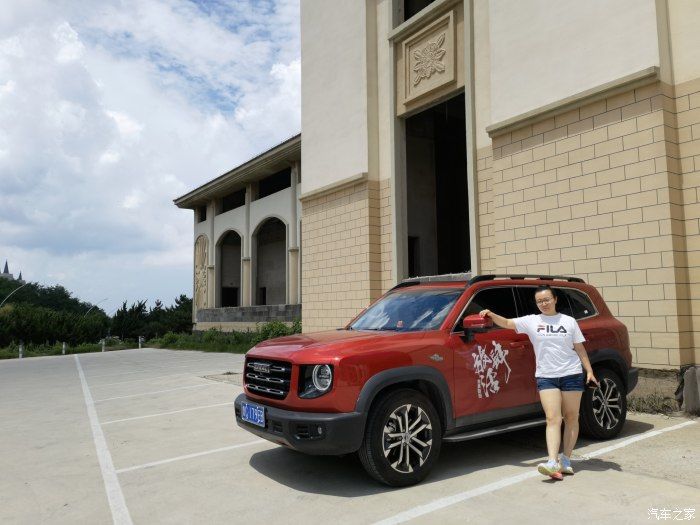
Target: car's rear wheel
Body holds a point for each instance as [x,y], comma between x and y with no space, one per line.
[402,438]
[604,409]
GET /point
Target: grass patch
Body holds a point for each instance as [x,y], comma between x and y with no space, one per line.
[652,403]
[232,342]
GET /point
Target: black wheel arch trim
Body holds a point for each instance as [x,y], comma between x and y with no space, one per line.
[406,374]
[598,357]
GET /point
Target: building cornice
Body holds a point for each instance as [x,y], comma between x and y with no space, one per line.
[626,83]
[290,149]
[335,186]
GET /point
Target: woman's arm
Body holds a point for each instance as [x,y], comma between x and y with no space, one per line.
[500,321]
[583,356]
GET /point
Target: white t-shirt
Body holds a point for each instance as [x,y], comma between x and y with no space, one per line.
[553,338]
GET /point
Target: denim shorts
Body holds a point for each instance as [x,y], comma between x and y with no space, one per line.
[572,383]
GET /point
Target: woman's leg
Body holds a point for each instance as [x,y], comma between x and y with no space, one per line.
[551,399]
[570,404]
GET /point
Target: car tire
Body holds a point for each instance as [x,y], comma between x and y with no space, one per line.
[389,453]
[604,409]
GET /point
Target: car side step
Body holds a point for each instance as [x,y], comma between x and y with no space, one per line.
[510,427]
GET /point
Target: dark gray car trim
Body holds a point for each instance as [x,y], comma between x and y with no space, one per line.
[403,374]
[502,414]
[607,354]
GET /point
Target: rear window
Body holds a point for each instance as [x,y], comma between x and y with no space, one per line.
[579,303]
[570,302]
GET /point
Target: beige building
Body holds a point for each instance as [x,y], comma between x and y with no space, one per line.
[501,136]
[246,242]
[497,136]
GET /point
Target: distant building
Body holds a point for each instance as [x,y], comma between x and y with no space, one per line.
[247,229]
[8,276]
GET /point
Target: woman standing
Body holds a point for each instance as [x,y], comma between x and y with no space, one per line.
[559,354]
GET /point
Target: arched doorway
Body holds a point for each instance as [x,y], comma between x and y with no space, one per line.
[230,269]
[271,263]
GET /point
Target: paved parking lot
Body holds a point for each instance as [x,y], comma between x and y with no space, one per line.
[144,436]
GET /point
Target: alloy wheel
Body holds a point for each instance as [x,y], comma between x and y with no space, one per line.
[607,408]
[407,438]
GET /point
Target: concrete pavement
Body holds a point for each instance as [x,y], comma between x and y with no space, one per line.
[173,453]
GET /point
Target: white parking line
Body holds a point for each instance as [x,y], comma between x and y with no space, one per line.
[160,368]
[149,393]
[441,503]
[634,439]
[189,456]
[117,504]
[164,413]
[145,379]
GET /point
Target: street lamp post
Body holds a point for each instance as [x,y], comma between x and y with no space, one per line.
[12,292]
[93,306]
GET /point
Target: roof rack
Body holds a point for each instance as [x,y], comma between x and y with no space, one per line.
[490,277]
[448,277]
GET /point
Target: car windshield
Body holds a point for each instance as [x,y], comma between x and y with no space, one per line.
[409,310]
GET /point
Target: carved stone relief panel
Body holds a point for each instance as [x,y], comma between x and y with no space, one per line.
[429,61]
[429,58]
[201,248]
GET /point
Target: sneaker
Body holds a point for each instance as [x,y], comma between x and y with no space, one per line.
[565,463]
[551,469]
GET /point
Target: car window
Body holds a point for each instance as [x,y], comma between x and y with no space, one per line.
[498,299]
[580,305]
[411,309]
[526,300]
[570,302]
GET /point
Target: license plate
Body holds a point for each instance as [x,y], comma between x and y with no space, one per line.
[254,414]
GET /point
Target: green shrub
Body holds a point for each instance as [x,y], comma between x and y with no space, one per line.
[216,341]
[271,330]
[169,339]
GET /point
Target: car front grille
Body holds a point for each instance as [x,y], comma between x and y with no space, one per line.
[268,378]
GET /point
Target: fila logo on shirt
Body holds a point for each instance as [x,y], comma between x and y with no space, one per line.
[551,329]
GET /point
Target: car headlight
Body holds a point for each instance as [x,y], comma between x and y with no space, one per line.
[315,380]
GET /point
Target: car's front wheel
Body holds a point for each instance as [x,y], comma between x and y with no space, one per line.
[402,438]
[604,409]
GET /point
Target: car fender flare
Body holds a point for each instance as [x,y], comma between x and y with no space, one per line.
[607,354]
[386,378]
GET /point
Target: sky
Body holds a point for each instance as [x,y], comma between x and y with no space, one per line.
[111,109]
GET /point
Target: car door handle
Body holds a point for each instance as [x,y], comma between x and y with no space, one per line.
[517,345]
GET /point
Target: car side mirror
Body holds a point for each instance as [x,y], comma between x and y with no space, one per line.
[476,323]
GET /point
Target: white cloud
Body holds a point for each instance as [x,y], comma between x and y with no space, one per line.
[110,110]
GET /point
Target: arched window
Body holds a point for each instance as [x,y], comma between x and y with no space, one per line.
[230,269]
[271,263]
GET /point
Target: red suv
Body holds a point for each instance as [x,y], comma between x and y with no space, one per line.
[419,367]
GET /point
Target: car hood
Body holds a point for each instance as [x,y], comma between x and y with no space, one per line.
[311,347]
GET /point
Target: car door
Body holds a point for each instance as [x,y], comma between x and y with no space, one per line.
[493,370]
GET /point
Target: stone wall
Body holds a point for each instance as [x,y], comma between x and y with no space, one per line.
[345,253]
[597,192]
[250,314]
[687,122]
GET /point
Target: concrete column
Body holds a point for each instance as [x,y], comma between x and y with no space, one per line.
[292,234]
[211,268]
[246,251]
[293,257]
[211,217]
[293,281]
[245,282]
[211,285]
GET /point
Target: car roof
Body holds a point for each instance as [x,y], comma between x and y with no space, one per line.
[467,279]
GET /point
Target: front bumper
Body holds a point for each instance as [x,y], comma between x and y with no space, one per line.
[309,432]
[632,378]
